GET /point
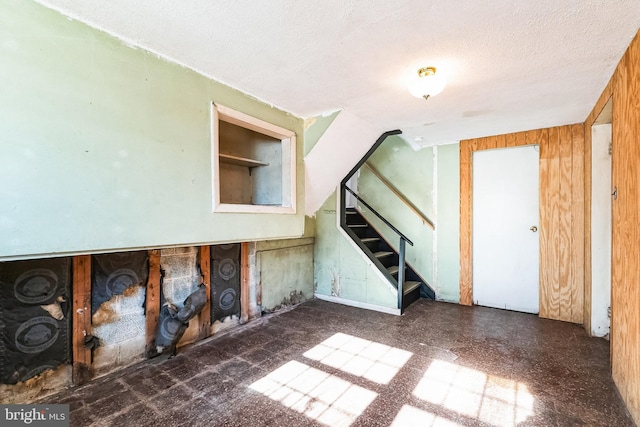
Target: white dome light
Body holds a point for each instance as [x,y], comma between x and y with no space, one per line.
[427,83]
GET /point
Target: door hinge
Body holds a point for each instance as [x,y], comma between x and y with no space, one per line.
[615,193]
[610,148]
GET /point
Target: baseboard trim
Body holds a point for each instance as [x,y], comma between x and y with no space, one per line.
[358,304]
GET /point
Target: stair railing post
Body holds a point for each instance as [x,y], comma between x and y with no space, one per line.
[343,207]
[401,273]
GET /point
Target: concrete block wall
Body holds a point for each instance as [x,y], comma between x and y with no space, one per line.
[119,324]
[181,278]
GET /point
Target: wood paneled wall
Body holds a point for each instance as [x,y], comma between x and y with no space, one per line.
[561,216]
[625,274]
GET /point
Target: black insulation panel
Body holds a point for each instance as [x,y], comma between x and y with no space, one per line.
[31,339]
[112,274]
[225,280]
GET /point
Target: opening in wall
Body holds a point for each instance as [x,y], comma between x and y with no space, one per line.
[254,164]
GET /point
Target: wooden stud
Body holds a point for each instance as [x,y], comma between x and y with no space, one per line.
[204,318]
[82,363]
[152,303]
[244,282]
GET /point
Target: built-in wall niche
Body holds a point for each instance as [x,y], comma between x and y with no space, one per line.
[254,164]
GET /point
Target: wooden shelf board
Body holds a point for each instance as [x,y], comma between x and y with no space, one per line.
[241,161]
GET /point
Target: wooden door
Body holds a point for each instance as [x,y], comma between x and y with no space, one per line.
[505,228]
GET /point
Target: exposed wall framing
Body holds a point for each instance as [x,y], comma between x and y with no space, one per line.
[204,318]
[152,302]
[82,369]
[244,282]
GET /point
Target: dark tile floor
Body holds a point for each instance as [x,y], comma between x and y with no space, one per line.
[325,364]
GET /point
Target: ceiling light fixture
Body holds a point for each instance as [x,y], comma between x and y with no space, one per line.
[427,83]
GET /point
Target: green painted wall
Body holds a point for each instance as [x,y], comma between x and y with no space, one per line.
[340,269]
[448,223]
[430,178]
[411,173]
[285,269]
[104,146]
[315,127]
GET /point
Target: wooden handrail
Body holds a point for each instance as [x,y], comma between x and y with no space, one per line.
[394,190]
[375,212]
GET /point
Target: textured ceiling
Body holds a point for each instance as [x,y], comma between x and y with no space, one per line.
[510,65]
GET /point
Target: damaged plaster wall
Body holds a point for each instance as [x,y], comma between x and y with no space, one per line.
[119,324]
[284,272]
[47,383]
[181,278]
[280,272]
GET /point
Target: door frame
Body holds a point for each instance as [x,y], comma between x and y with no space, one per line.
[467,148]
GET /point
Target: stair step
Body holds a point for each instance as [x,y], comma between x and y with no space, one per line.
[409,286]
[382,254]
[352,213]
[369,239]
[393,270]
[357,225]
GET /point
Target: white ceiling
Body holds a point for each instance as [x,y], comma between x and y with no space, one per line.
[510,64]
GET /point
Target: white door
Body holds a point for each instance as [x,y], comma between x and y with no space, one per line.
[505,228]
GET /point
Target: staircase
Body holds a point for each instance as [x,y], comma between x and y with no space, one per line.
[391,263]
[386,258]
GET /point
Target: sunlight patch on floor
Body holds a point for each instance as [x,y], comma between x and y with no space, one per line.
[363,358]
[474,394]
[318,395]
[410,416]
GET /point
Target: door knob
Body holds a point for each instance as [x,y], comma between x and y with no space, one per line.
[534,228]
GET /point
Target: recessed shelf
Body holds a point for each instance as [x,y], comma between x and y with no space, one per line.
[241,161]
[254,164]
